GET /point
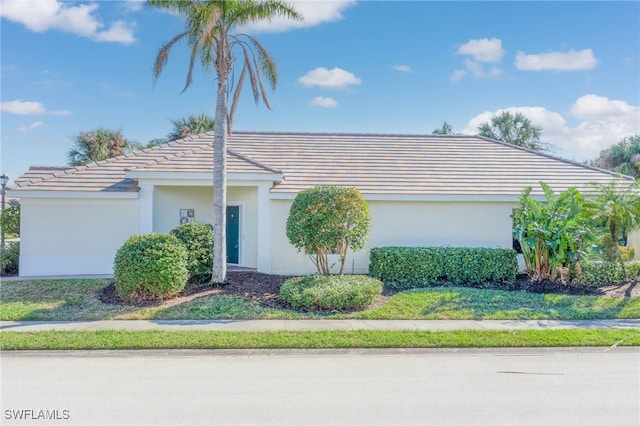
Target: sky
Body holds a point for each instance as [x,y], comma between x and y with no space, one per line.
[401,67]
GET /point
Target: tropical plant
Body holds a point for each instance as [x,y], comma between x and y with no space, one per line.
[616,205]
[191,125]
[98,145]
[208,32]
[623,157]
[446,129]
[552,234]
[515,129]
[328,219]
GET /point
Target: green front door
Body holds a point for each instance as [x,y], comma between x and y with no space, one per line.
[233,234]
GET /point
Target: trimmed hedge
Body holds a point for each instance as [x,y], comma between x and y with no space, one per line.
[150,266]
[331,292]
[602,274]
[197,238]
[411,267]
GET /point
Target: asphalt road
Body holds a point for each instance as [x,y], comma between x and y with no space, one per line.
[599,386]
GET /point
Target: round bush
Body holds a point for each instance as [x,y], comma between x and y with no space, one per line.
[197,237]
[151,266]
[331,292]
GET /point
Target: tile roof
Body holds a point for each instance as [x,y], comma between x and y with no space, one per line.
[422,165]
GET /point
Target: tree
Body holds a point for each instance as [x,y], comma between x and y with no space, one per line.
[191,125]
[208,32]
[98,145]
[616,206]
[514,129]
[328,219]
[623,157]
[446,129]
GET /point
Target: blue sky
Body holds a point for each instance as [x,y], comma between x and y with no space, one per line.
[573,68]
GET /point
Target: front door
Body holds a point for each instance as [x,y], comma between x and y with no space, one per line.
[233,234]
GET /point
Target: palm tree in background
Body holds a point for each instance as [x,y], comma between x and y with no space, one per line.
[623,157]
[191,125]
[515,129]
[617,206]
[208,33]
[446,129]
[98,145]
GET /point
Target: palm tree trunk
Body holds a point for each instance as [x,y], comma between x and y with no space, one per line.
[220,185]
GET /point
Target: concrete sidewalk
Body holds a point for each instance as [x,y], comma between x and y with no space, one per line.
[310,325]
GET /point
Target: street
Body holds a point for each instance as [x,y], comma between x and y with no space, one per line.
[558,386]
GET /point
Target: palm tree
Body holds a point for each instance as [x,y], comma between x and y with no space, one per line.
[98,145]
[446,129]
[623,157]
[208,32]
[191,125]
[617,206]
[514,129]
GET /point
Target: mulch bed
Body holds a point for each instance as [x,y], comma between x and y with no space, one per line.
[265,289]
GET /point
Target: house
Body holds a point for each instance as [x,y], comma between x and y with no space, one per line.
[422,190]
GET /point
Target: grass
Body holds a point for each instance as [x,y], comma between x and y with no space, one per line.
[110,339]
[60,300]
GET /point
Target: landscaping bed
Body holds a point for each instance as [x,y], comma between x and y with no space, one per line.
[265,288]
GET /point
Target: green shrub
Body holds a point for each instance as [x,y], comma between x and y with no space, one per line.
[328,219]
[609,252]
[9,264]
[409,267]
[151,266]
[608,273]
[10,220]
[331,292]
[197,237]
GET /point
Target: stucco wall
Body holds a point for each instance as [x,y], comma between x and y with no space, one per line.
[169,200]
[404,223]
[73,236]
[633,240]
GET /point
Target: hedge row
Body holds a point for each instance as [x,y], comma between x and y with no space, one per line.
[331,292]
[608,273]
[410,267]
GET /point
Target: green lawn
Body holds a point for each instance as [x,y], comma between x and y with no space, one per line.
[59,300]
[110,339]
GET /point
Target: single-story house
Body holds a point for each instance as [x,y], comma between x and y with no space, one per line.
[422,190]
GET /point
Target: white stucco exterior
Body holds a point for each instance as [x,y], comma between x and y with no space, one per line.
[71,236]
[404,223]
[633,240]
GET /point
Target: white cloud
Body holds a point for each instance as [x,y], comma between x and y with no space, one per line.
[314,12]
[603,123]
[20,107]
[31,126]
[482,55]
[557,61]
[323,102]
[483,50]
[43,15]
[402,68]
[336,78]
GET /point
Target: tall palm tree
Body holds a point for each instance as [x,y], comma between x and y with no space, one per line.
[515,129]
[617,206]
[623,157]
[191,125]
[98,145]
[208,32]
